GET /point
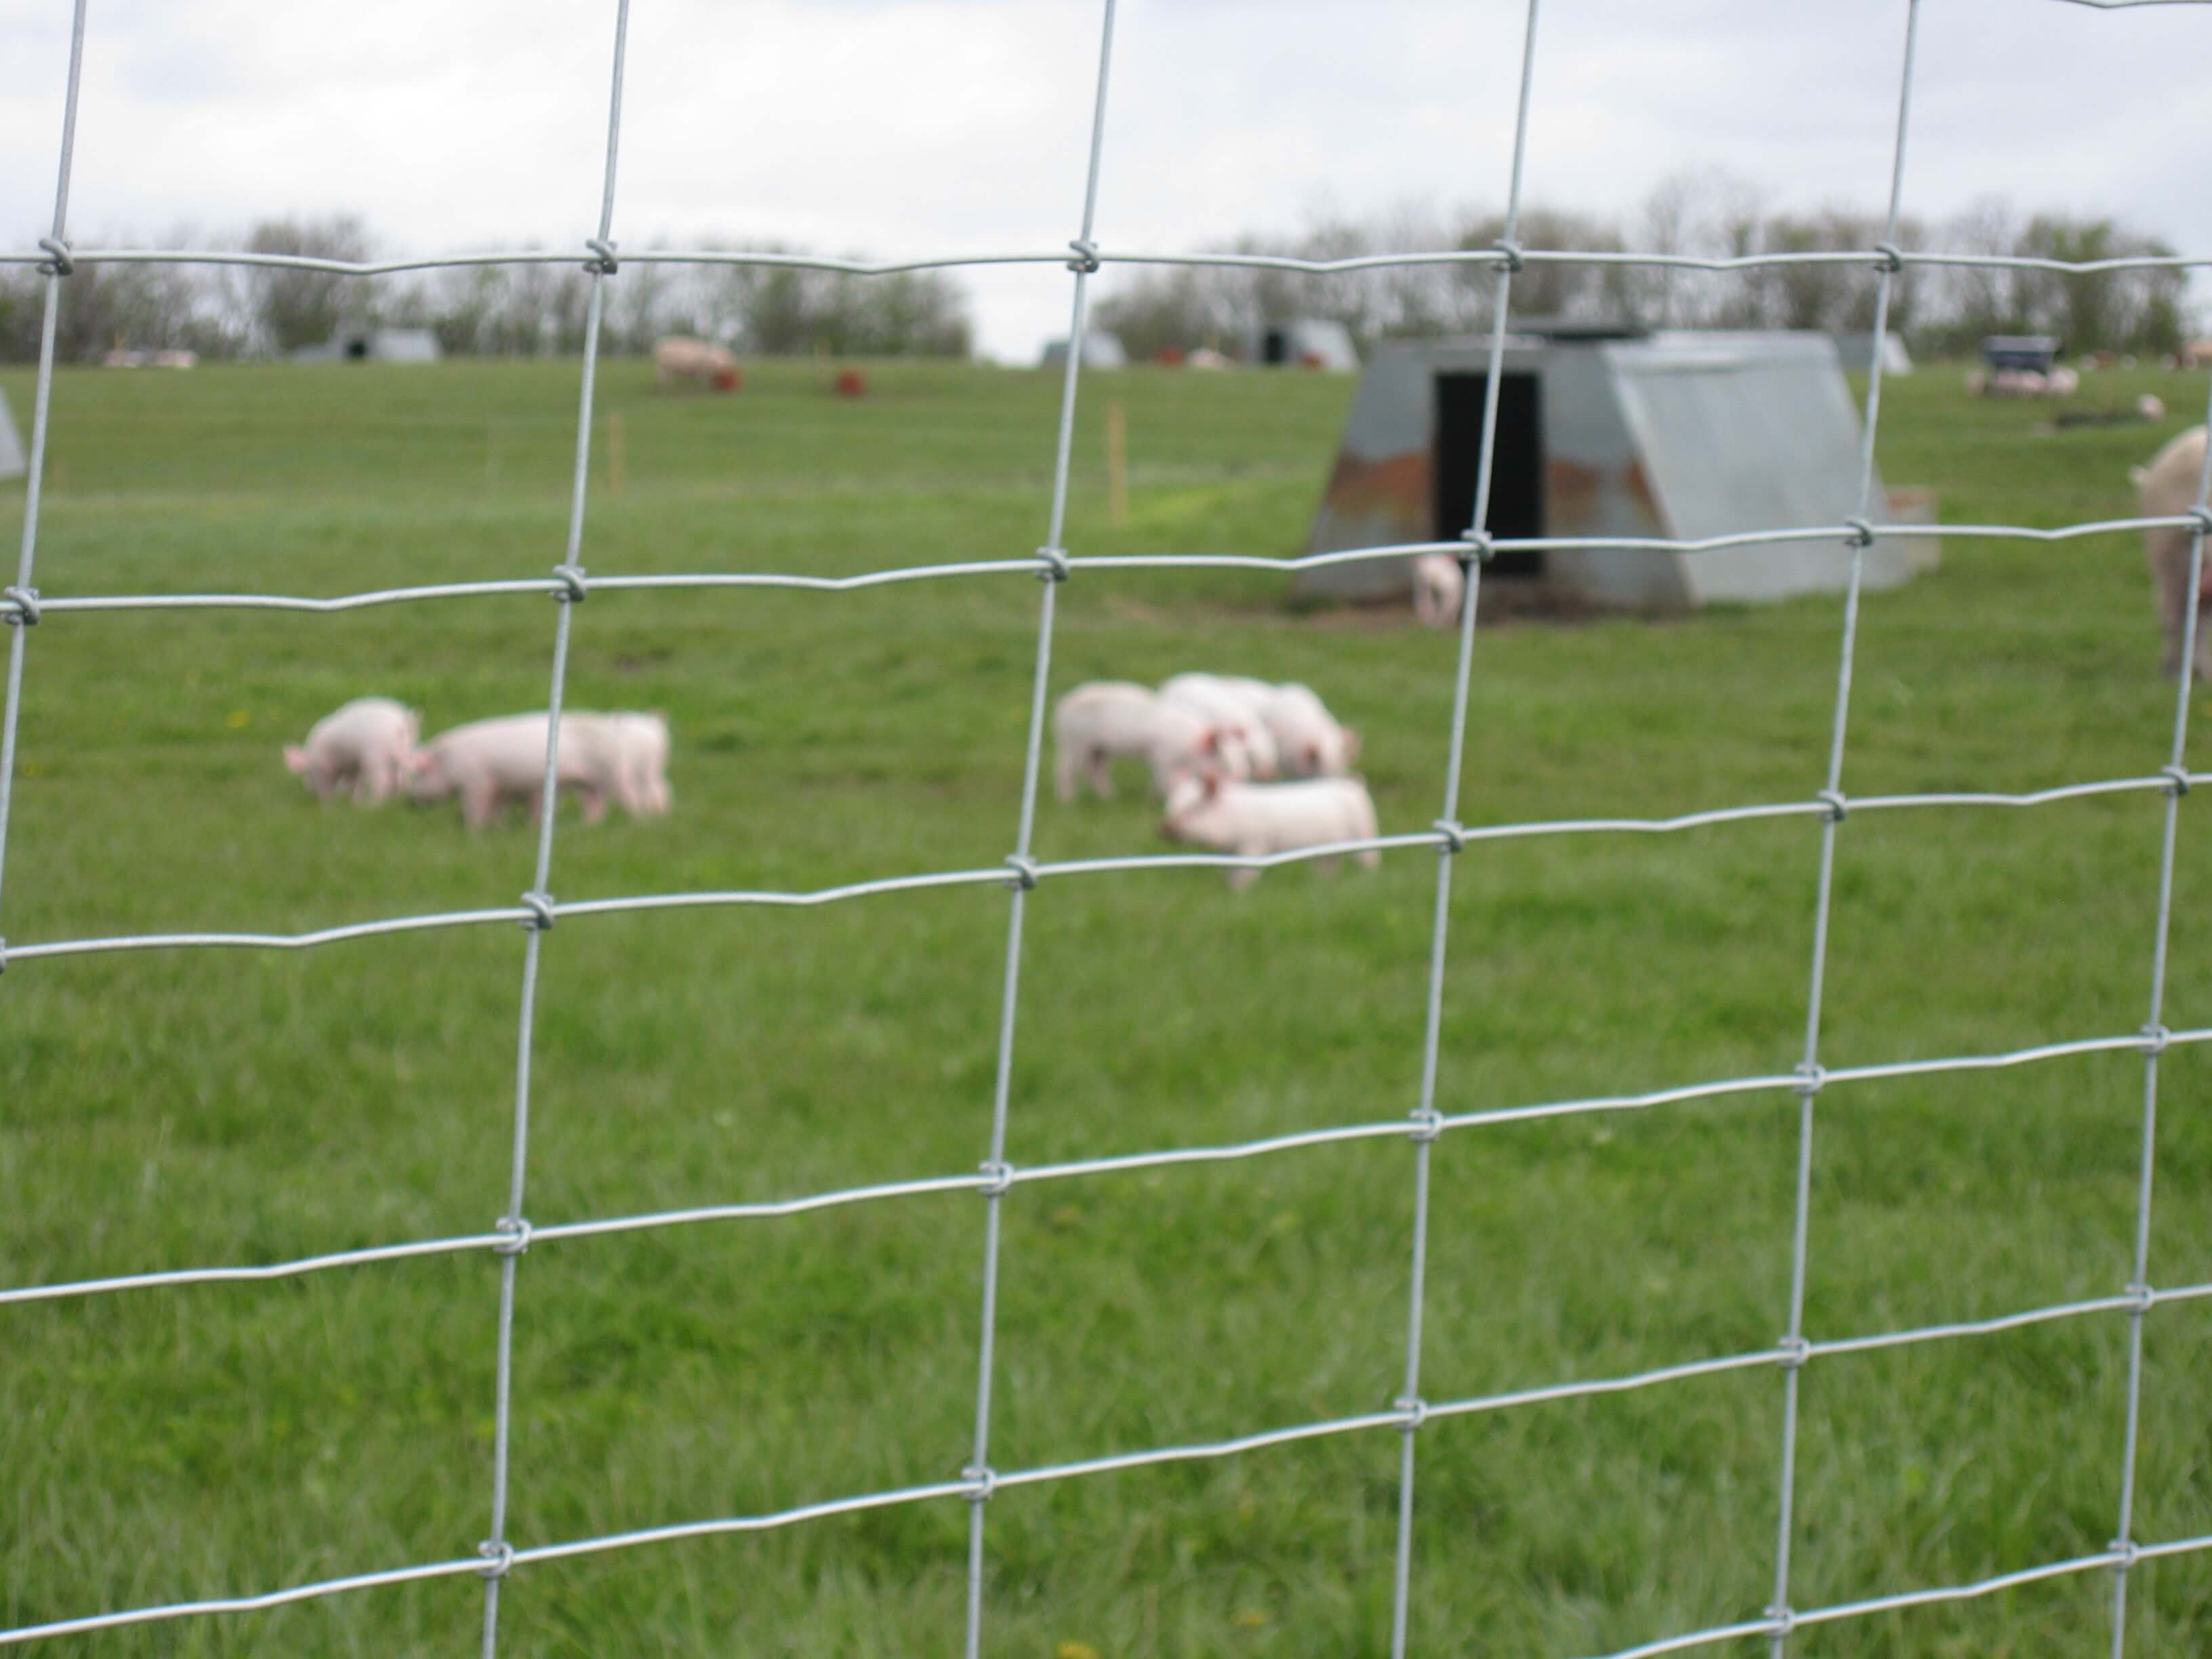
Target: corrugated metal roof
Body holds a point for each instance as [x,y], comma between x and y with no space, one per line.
[1741,433]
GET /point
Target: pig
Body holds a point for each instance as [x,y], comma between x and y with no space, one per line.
[678,358]
[1105,720]
[640,751]
[1252,820]
[1229,705]
[368,744]
[1309,741]
[489,763]
[1439,589]
[2166,489]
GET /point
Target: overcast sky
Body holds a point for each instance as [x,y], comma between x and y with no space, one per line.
[910,126]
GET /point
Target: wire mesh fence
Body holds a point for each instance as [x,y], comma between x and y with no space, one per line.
[497,1557]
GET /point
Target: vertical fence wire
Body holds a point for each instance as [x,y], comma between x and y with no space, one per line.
[1809,1069]
[57,268]
[1426,1120]
[514,1229]
[514,1223]
[2178,784]
[1052,570]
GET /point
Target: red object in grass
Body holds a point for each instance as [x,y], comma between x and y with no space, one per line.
[729,379]
[1169,356]
[850,383]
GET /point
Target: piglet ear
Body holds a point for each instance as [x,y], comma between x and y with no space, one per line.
[295,758]
[1211,743]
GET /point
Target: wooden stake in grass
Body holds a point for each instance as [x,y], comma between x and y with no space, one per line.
[1117,466]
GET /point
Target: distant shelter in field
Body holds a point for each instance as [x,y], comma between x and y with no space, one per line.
[374,346]
[1612,436]
[12,463]
[1303,343]
[1100,350]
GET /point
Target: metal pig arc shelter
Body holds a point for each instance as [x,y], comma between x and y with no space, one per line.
[1605,432]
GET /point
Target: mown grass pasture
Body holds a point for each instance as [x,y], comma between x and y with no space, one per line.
[188,1107]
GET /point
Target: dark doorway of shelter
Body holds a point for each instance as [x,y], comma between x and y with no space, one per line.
[1516,485]
[1276,347]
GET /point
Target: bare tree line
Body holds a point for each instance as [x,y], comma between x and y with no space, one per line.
[230,311]
[1942,310]
[519,310]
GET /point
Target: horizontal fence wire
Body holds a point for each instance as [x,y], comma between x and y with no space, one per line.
[14,607]
[1443,839]
[1494,259]
[1013,1175]
[23,606]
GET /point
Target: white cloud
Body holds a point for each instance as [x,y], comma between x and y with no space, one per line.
[941,125]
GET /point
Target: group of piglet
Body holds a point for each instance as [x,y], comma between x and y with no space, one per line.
[370,748]
[1244,767]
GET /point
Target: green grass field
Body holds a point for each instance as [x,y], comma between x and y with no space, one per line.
[197,1107]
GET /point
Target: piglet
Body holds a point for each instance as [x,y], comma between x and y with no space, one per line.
[642,747]
[1309,740]
[491,763]
[1105,720]
[1252,820]
[1233,707]
[1439,589]
[368,744]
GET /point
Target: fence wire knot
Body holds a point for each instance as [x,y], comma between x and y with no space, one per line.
[1862,533]
[1839,807]
[605,264]
[1812,1077]
[1428,1124]
[2156,1039]
[3,955]
[513,1232]
[997,1177]
[1026,872]
[1480,548]
[1086,256]
[2143,1297]
[2176,779]
[1455,837]
[1055,564]
[61,264]
[983,1480]
[2125,1553]
[1891,261]
[26,601]
[1413,1408]
[541,917]
[1512,256]
[1795,1351]
[575,587]
[499,1556]
[2200,520]
[1782,1621]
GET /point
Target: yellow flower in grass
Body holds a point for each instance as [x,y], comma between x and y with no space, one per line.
[236,719]
[1251,1619]
[1075,1650]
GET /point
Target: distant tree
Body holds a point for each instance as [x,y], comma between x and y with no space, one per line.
[291,307]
